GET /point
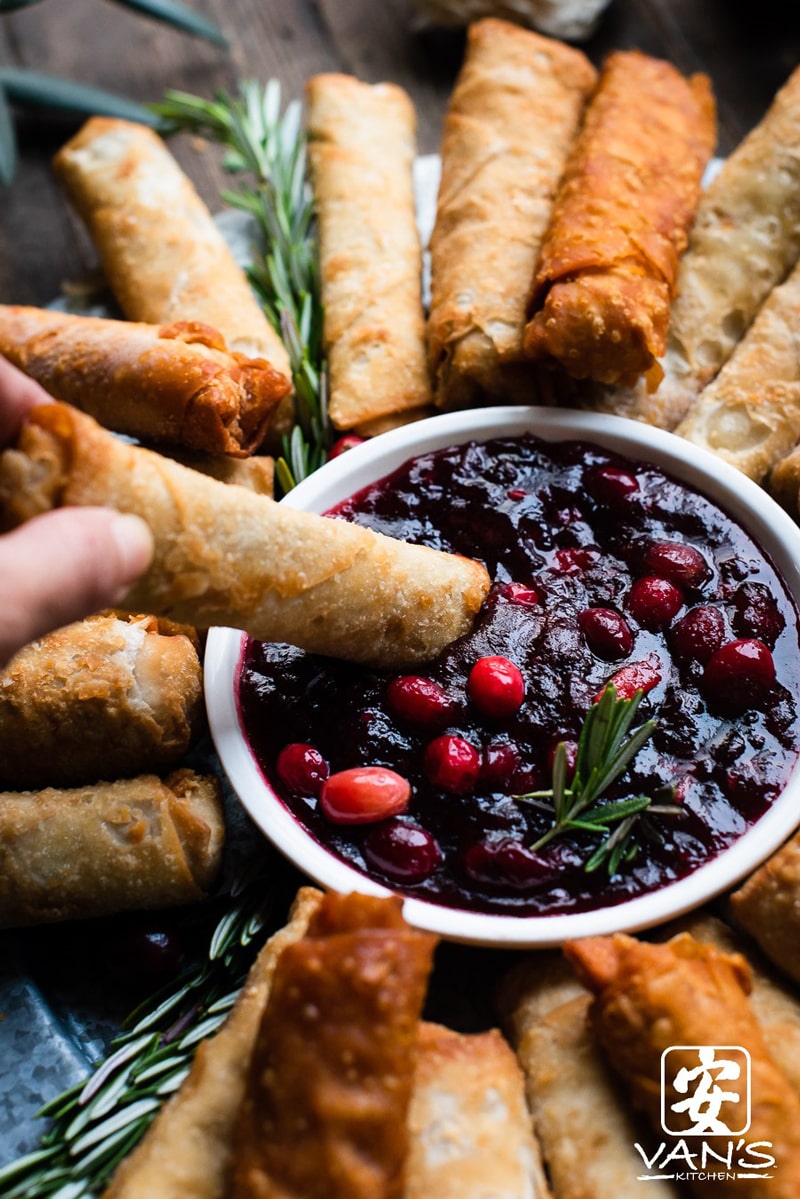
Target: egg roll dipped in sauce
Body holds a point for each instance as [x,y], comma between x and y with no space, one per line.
[600,299]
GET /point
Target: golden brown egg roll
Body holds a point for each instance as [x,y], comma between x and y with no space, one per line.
[744,241]
[256,473]
[749,415]
[163,255]
[172,383]
[112,847]
[599,304]
[470,1133]
[511,121]
[102,698]
[651,998]
[361,153]
[226,556]
[325,1109]
[783,482]
[186,1152]
[767,906]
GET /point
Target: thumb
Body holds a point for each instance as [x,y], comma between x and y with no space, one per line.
[64,565]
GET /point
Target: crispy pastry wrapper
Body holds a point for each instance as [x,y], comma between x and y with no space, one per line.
[744,241]
[469,1127]
[173,383]
[163,255]
[326,1105]
[600,299]
[226,556]
[111,847]
[361,154]
[677,995]
[186,1152]
[767,906]
[256,473]
[513,115]
[749,415]
[102,698]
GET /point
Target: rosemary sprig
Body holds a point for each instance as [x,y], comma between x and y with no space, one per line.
[97,1122]
[269,147]
[604,753]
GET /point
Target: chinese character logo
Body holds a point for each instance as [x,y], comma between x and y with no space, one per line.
[712,1085]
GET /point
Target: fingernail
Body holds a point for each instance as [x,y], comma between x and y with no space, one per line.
[134,542]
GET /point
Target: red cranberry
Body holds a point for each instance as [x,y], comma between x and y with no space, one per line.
[496,687]
[653,601]
[517,493]
[499,763]
[419,700]
[574,559]
[571,748]
[638,676]
[607,633]
[302,768]
[506,862]
[404,853]
[698,634]
[681,564]
[364,794]
[452,764]
[348,442]
[738,674]
[518,593]
[145,954]
[612,487]
[756,614]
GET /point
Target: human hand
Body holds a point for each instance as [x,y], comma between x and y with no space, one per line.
[65,564]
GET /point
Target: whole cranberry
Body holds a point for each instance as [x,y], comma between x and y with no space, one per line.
[499,763]
[681,564]
[653,602]
[452,763]
[496,687]
[607,633]
[738,674]
[637,676]
[302,768]
[698,634]
[506,862]
[348,442]
[364,794]
[571,749]
[756,613]
[519,593]
[612,487]
[143,953]
[419,700]
[404,853]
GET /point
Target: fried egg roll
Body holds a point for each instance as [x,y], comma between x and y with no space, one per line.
[512,118]
[744,241]
[112,847]
[102,698]
[256,473]
[677,996]
[326,1104]
[163,255]
[749,415]
[186,1152]
[599,304]
[172,383]
[361,154]
[767,906]
[226,556]
[470,1133]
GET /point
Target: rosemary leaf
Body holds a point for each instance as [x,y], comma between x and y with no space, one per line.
[31,87]
[179,16]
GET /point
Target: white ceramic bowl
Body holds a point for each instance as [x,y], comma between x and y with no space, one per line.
[771,528]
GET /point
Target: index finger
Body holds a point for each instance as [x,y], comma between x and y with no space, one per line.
[18,395]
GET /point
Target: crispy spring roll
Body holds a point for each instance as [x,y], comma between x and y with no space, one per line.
[362,145]
[513,115]
[112,847]
[163,255]
[186,1152]
[326,1104]
[744,241]
[470,1129]
[172,383]
[225,556]
[749,415]
[767,906]
[102,698]
[256,473]
[600,299]
[680,996]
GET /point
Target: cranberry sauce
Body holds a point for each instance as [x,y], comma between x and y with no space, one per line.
[603,569]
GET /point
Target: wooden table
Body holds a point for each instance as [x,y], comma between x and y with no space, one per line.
[747,48]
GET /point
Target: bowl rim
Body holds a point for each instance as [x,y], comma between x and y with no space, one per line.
[774,532]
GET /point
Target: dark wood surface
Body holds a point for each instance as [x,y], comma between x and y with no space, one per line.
[748,48]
